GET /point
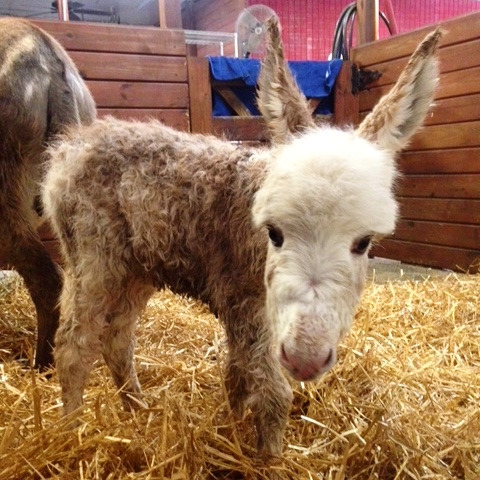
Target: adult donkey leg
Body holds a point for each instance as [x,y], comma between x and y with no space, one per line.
[21,247]
[42,278]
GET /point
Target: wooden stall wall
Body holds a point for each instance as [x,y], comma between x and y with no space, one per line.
[439,191]
[132,72]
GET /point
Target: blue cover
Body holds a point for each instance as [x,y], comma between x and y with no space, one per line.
[315,79]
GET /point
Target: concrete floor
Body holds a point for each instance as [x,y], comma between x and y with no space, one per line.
[382,270]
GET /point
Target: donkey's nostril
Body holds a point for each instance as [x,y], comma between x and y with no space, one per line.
[325,360]
[329,358]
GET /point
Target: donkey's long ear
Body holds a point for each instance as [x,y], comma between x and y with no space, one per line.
[401,112]
[280,101]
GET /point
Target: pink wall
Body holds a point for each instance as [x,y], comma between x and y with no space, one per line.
[308,25]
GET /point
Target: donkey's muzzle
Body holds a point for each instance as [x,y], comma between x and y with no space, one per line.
[305,366]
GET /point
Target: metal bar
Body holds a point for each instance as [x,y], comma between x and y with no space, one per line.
[204,37]
[236,44]
[62,6]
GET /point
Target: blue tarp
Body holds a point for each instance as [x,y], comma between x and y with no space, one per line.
[315,79]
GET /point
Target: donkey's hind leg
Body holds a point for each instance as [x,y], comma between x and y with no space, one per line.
[20,245]
[79,340]
[26,253]
[43,281]
[119,341]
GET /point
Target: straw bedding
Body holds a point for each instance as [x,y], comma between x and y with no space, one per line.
[403,401]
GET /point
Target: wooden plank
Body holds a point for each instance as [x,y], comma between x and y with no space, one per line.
[240,128]
[139,94]
[439,233]
[200,94]
[465,134]
[100,37]
[440,186]
[367,99]
[173,13]
[233,101]
[455,109]
[178,119]
[120,66]
[440,209]
[450,110]
[461,160]
[457,30]
[367,21]
[346,107]
[455,57]
[161,14]
[457,259]
[462,82]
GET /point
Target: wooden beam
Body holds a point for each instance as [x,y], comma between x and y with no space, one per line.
[457,30]
[200,94]
[139,94]
[233,101]
[245,129]
[346,106]
[161,14]
[122,67]
[458,259]
[103,37]
[170,13]
[367,14]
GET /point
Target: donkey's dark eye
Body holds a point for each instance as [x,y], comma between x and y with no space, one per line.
[276,236]
[361,245]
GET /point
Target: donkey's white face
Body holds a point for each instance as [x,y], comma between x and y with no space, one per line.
[326,195]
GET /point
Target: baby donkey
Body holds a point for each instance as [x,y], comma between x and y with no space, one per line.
[273,240]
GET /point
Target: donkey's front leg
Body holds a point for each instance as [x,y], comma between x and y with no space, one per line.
[270,400]
[254,376]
